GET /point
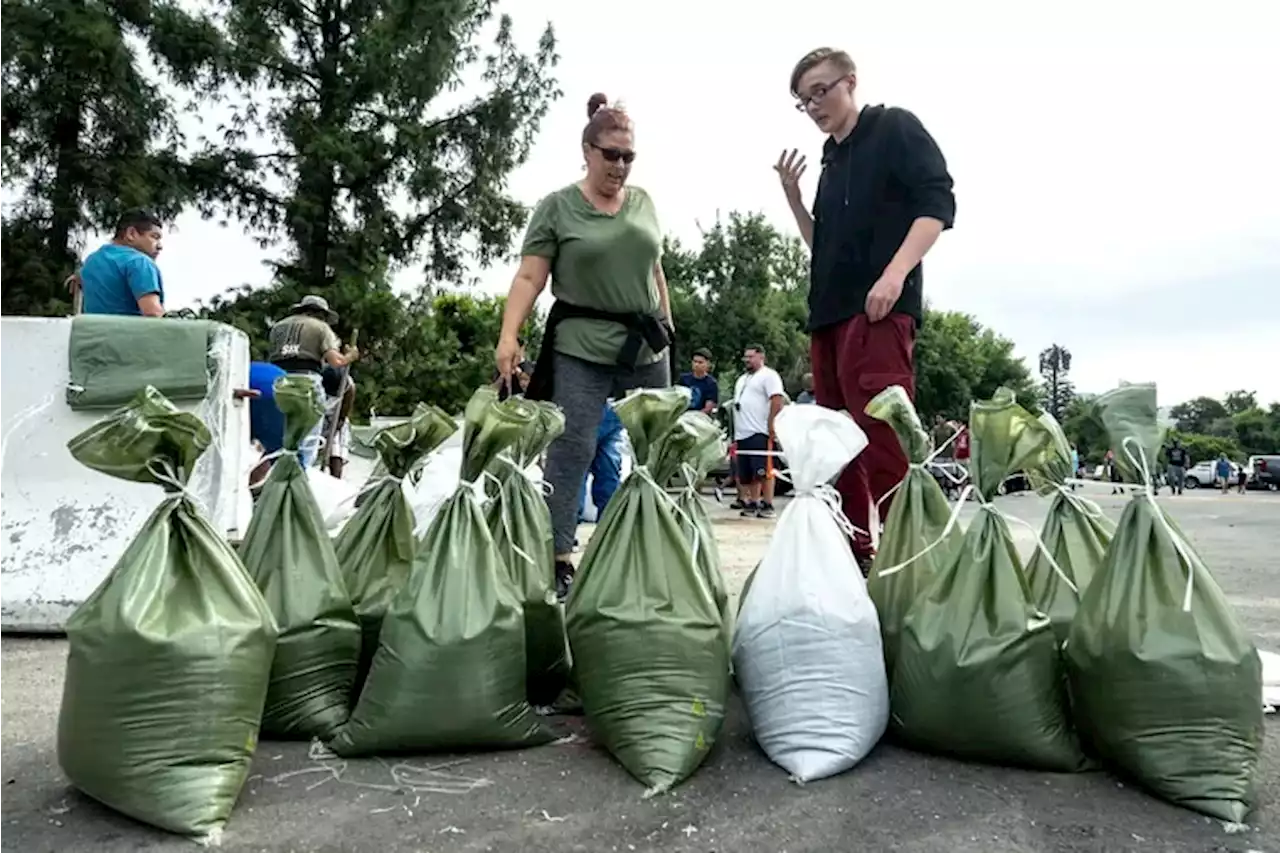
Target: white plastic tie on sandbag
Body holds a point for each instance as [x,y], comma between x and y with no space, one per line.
[807,649]
[1188,562]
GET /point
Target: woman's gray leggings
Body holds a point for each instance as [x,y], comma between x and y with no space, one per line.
[581,389]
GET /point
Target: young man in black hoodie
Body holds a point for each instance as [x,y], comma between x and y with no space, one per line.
[883,198]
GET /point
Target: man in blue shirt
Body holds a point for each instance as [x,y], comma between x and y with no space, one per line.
[706,391]
[606,466]
[122,276]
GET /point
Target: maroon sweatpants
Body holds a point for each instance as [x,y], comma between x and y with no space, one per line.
[852,362]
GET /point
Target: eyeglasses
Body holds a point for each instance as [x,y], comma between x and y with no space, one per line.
[613,155]
[819,93]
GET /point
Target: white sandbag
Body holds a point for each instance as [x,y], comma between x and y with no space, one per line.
[807,649]
[1270,679]
[335,497]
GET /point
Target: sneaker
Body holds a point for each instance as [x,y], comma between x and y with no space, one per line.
[765,511]
[749,509]
[738,504]
[564,579]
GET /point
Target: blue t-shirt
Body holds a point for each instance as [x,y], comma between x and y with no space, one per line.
[115,277]
[1224,468]
[266,421]
[705,390]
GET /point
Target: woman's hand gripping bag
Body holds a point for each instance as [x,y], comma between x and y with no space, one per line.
[376,546]
[170,657]
[449,671]
[807,651]
[690,450]
[1075,536]
[649,655]
[978,673]
[288,553]
[1165,680]
[920,535]
[520,522]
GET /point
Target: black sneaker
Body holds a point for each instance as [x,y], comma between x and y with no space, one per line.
[738,504]
[749,509]
[564,579]
[765,511]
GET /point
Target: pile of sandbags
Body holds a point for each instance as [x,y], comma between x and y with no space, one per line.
[376,546]
[520,522]
[1165,682]
[645,632]
[807,651]
[449,669]
[171,657]
[978,673]
[288,552]
[920,534]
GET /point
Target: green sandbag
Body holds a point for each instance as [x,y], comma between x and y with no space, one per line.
[690,450]
[920,535]
[288,553]
[978,673]
[520,522]
[1074,537]
[449,672]
[647,638]
[375,547]
[170,657]
[1166,682]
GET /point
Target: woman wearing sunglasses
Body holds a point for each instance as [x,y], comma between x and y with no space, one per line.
[609,329]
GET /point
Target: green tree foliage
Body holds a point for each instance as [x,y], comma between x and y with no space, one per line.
[87,130]
[959,361]
[1082,423]
[367,159]
[1055,368]
[1200,415]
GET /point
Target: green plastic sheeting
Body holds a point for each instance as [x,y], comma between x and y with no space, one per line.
[1165,681]
[978,673]
[111,358]
[647,638]
[687,453]
[375,547]
[170,657]
[1075,535]
[920,535]
[449,673]
[288,553]
[520,522]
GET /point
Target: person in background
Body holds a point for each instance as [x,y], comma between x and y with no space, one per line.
[1242,479]
[340,399]
[757,399]
[942,432]
[1113,471]
[598,241]
[1179,461]
[805,397]
[121,277]
[705,390]
[961,444]
[1223,472]
[304,343]
[606,466]
[1075,465]
[266,421]
[883,199]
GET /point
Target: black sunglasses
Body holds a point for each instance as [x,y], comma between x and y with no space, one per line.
[613,155]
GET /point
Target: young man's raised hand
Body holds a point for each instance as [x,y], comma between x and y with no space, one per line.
[790,168]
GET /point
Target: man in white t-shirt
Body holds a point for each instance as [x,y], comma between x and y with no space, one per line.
[758,396]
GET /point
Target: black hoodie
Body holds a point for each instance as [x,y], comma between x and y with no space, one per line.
[883,177]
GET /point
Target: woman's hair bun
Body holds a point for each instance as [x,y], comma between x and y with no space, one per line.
[595,102]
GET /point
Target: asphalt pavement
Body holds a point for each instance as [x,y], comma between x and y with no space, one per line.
[571,796]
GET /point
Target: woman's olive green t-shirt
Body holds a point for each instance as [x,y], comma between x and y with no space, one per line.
[598,260]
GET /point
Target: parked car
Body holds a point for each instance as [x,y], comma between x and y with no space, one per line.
[1205,474]
[1264,472]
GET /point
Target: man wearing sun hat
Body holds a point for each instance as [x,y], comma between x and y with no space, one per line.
[304,343]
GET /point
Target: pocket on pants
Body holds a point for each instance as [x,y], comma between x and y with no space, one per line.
[884,356]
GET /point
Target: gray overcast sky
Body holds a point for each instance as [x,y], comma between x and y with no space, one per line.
[1116,162]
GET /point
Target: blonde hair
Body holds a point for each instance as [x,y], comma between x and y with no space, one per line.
[842,62]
